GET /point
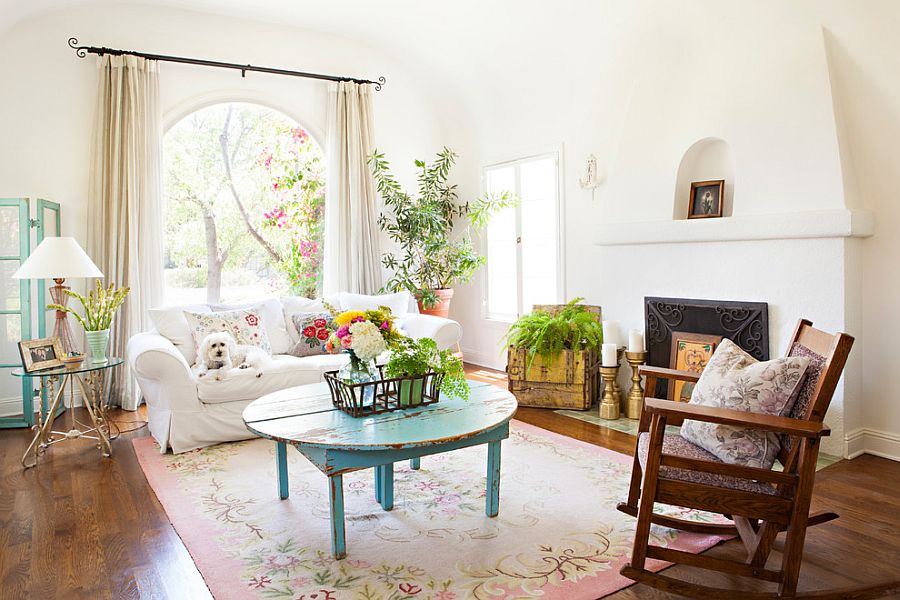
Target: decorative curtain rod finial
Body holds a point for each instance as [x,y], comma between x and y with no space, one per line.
[80,51]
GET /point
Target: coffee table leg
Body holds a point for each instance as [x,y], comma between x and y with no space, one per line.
[415,463]
[281,462]
[378,484]
[338,541]
[492,496]
[387,486]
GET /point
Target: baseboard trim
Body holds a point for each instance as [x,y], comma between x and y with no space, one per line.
[884,444]
[12,407]
[481,359]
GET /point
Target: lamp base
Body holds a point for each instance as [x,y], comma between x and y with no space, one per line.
[61,328]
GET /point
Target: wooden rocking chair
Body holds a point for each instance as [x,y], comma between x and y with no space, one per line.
[760,503]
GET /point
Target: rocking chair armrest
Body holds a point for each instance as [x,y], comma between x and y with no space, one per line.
[727,416]
[664,373]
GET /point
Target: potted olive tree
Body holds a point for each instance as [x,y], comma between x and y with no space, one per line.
[431,258]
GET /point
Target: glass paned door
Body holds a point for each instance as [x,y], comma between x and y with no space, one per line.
[47,226]
[16,395]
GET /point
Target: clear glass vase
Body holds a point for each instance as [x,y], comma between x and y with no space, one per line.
[360,371]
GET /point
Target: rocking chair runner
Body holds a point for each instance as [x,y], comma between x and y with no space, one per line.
[760,503]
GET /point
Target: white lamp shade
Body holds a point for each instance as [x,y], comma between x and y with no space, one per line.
[57,258]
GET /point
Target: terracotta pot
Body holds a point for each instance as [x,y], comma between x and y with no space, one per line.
[442,308]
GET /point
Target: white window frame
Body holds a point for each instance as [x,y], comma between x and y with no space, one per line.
[557,155]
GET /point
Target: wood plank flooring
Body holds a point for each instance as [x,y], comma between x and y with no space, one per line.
[80,527]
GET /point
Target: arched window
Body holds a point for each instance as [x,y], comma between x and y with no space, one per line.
[245,199]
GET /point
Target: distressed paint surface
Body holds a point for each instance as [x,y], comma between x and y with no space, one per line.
[337,443]
[304,416]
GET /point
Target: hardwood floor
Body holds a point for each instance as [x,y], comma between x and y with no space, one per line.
[81,527]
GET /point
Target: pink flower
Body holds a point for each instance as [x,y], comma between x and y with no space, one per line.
[386,326]
[409,588]
[346,342]
[342,331]
[259,582]
[444,595]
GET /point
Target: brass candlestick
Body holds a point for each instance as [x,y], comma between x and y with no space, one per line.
[636,394]
[609,405]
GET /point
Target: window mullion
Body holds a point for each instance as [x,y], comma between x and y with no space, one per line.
[519,266]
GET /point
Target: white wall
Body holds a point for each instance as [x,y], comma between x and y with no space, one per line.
[644,87]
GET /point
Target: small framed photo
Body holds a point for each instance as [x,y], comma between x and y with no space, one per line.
[37,355]
[690,352]
[706,199]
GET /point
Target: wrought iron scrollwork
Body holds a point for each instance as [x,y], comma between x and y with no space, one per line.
[662,318]
[80,51]
[745,327]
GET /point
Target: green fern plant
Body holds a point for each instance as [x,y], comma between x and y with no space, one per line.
[546,335]
[418,357]
[100,305]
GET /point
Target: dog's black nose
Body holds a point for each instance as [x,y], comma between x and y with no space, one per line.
[219,353]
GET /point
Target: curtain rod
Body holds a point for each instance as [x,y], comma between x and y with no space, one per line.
[82,51]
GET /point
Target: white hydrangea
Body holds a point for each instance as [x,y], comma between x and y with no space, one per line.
[367,341]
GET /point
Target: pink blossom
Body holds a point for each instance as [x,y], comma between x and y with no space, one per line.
[342,331]
[346,342]
[444,595]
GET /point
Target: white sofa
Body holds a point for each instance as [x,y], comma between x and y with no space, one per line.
[186,412]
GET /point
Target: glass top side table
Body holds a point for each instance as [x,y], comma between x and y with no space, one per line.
[89,377]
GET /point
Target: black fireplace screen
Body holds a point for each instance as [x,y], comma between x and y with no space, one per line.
[744,323]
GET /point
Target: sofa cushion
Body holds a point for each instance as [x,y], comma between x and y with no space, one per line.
[170,322]
[735,380]
[315,328]
[273,321]
[283,371]
[399,302]
[245,325]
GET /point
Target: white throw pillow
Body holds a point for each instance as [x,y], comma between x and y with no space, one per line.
[733,379]
[272,318]
[246,325]
[398,302]
[169,322]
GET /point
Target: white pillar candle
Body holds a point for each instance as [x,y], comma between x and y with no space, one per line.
[609,355]
[611,333]
[635,341]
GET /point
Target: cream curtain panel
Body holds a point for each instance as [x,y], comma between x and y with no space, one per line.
[352,248]
[124,207]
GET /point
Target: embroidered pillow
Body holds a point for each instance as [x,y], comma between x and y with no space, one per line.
[246,325]
[733,379]
[314,329]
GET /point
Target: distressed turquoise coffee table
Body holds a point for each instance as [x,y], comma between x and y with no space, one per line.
[337,443]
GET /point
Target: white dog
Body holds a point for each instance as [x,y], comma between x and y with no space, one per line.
[221,353]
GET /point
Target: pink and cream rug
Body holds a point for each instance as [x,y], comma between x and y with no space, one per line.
[558,535]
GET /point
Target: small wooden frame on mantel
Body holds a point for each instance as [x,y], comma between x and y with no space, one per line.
[706,199]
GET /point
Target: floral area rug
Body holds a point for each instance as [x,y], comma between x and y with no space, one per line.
[558,535]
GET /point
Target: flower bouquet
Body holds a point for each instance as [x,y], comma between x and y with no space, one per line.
[364,335]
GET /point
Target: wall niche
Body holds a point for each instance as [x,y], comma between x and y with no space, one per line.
[707,159]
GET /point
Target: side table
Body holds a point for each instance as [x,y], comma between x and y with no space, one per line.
[89,377]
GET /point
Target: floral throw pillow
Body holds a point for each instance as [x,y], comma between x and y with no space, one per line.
[314,329]
[246,325]
[733,379]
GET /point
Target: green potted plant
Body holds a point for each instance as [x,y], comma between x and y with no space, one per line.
[553,356]
[417,358]
[100,306]
[430,259]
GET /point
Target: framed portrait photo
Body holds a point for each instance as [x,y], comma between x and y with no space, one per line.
[706,199]
[690,352]
[37,355]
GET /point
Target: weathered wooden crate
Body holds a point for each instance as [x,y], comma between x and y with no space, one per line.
[571,380]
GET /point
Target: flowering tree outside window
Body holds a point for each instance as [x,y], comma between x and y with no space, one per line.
[245,198]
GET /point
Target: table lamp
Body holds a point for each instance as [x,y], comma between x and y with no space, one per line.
[59,258]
